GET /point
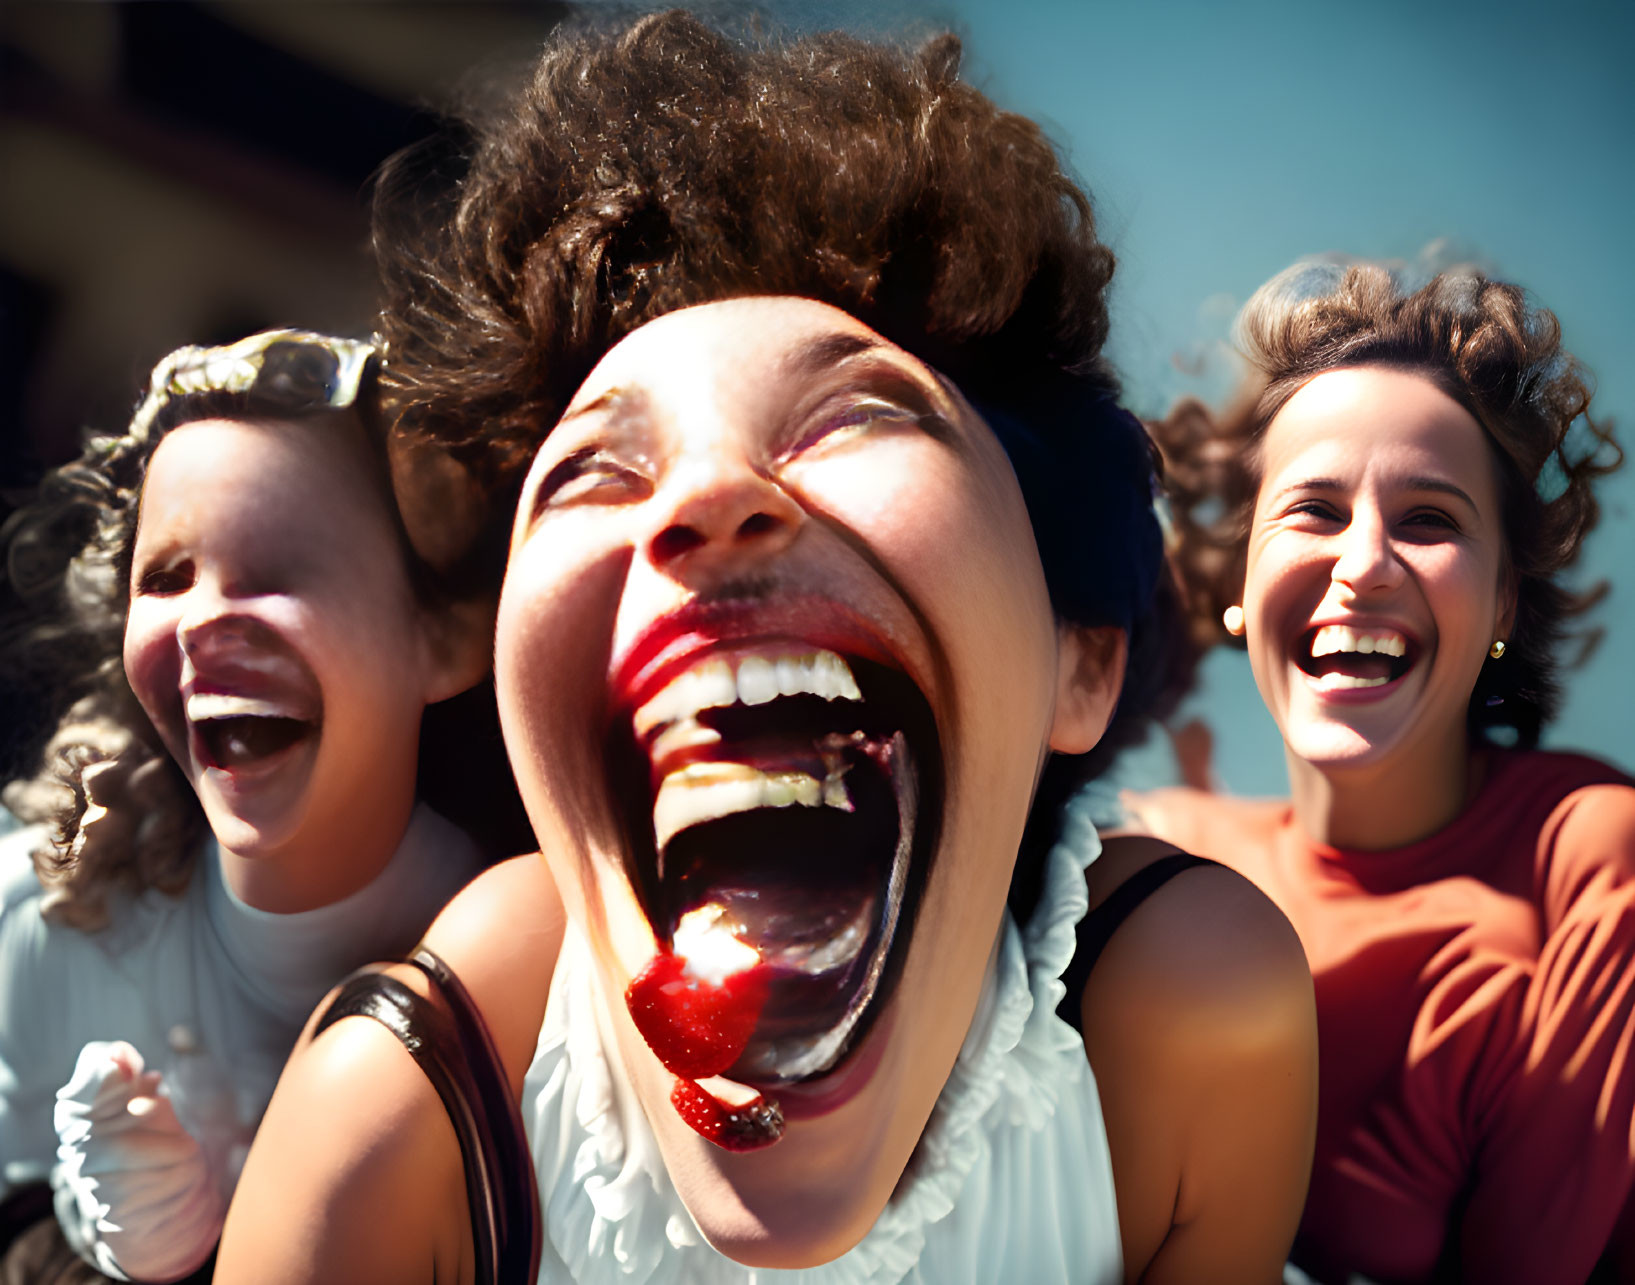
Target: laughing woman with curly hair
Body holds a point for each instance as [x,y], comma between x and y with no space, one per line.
[1385,525]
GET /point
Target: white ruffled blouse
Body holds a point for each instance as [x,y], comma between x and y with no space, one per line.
[1012,1179]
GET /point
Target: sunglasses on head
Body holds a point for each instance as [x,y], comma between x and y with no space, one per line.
[285,372]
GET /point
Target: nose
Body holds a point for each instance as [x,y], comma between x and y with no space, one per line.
[719,511]
[215,624]
[1367,562]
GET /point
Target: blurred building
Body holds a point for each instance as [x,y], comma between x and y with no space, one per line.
[189,172]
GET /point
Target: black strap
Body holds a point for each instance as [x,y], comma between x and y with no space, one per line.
[446,1035]
[1096,929]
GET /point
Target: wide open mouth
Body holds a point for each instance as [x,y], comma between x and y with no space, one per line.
[782,804]
[1345,659]
[241,731]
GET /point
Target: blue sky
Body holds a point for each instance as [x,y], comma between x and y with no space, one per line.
[1222,142]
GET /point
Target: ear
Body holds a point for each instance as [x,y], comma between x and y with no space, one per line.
[1089,677]
[441,504]
[459,647]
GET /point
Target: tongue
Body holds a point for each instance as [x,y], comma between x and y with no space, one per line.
[234,742]
[1353,665]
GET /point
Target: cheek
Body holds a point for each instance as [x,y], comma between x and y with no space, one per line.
[955,531]
[153,665]
[553,639]
[1265,591]
[383,645]
[962,543]
[1286,574]
[1283,585]
[1463,589]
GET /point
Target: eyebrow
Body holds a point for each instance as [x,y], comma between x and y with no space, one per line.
[1439,485]
[1443,487]
[617,399]
[825,351]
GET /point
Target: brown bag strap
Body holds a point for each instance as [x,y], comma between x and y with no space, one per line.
[446,1035]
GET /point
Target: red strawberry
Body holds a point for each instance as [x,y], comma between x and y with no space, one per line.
[757,1123]
[695,1027]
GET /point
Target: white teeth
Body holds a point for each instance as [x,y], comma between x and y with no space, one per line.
[757,679]
[708,791]
[831,678]
[203,705]
[1338,682]
[1333,639]
[710,686]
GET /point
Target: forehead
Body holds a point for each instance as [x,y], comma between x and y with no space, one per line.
[737,344]
[1376,420]
[298,473]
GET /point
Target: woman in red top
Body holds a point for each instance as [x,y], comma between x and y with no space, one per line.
[1384,525]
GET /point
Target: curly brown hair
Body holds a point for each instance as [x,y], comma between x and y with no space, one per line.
[1484,344]
[647,169]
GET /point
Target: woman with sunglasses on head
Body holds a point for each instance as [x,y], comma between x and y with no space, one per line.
[831,560]
[249,643]
[1385,525]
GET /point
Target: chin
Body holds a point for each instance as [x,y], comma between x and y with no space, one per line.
[816,1194]
[1337,747]
[234,833]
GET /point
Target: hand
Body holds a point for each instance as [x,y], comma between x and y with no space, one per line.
[134,1190]
[1193,744]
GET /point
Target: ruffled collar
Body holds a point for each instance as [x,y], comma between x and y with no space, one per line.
[287,962]
[613,1218]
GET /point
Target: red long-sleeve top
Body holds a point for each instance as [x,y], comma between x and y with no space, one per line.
[1476,1023]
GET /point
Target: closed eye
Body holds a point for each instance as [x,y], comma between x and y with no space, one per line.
[838,422]
[591,476]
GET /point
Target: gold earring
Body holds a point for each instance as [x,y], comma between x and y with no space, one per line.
[1497,649]
[1232,618]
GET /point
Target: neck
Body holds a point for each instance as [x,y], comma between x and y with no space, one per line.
[356,848]
[1386,805]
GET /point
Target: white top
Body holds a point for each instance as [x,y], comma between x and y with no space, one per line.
[1012,1179]
[209,990]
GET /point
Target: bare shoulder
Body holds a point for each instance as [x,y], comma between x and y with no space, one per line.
[510,904]
[501,936]
[1200,1025]
[355,1173]
[1206,963]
